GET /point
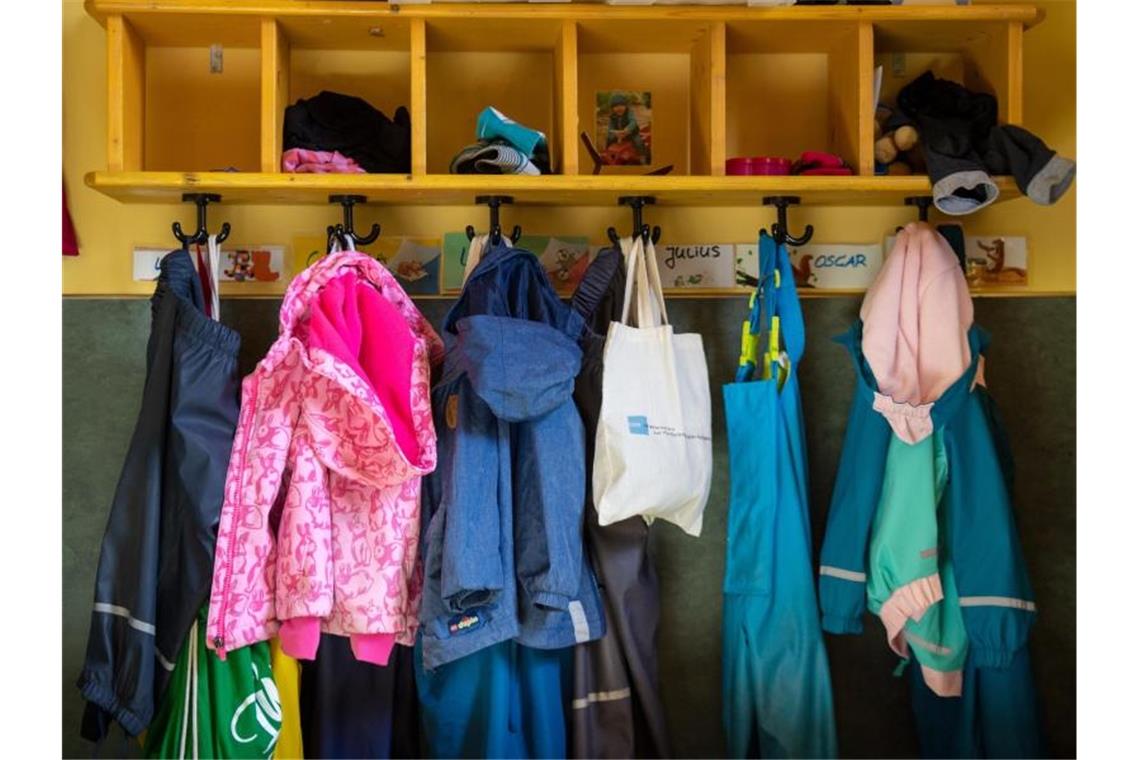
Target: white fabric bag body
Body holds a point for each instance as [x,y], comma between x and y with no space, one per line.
[653,454]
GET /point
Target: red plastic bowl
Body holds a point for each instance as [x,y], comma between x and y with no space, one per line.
[752,165]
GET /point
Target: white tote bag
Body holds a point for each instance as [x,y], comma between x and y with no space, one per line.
[653,454]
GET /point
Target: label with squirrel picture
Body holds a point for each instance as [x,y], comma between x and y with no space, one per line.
[823,266]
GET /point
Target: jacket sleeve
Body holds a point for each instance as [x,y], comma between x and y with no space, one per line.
[843,558]
[241,598]
[858,483]
[997,602]
[549,482]
[472,568]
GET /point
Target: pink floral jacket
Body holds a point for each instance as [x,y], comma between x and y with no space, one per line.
[320,521]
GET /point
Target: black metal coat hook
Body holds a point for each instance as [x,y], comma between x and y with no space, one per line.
[923,202]
[200,234]
[345,229]
[493,228]
[636,203]
[780,228]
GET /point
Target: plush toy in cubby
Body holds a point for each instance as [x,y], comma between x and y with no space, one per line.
[896,144]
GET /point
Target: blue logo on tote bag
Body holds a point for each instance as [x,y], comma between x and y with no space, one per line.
[639,425]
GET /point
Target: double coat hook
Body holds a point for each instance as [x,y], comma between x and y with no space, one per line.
[345,230]
[780,228]
[493,228]
[200,235]
[636,203]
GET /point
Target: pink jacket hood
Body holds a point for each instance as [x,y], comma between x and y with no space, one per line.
[915,318]
[320,521]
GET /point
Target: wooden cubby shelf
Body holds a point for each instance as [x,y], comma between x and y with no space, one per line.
[727,81]
[549,190]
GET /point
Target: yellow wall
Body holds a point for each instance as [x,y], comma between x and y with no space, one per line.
[109,230]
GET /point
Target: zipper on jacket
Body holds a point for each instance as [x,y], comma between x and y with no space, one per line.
[227,573]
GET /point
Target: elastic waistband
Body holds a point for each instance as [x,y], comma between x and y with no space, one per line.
[178,282]
[190,321]
[945,406]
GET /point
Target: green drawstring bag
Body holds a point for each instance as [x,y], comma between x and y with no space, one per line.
[215,708]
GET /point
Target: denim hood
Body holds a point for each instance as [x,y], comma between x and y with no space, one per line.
[504,509]
[521,369]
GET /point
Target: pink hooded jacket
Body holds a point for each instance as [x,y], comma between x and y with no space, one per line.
[320,520]
[915,318]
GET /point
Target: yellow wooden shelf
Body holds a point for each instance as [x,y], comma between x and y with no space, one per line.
[713,71]
[1026,14]
[547,190]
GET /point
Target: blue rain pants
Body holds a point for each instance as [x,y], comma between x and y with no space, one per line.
[777,686]
[503,701]
[996,716]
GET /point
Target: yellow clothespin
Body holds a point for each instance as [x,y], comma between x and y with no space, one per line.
[749,341]
[774,341]
[748,345]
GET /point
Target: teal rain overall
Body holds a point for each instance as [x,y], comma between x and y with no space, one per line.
[777,687]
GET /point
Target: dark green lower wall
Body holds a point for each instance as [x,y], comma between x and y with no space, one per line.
[1031,370]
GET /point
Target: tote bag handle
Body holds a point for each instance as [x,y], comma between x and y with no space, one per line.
[214,261]
[649,296]
[650,257]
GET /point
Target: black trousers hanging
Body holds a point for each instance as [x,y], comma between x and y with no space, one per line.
[157,558]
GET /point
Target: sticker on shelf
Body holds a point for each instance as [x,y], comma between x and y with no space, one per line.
[996,260]
[146,263]
[413,261]
[565,261]
[836,266]
[822,266]
[564,257]
[696,265]
[263,263]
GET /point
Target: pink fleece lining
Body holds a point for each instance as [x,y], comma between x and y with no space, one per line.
[357,325]
[300,637]
[372,647]
[909,601]
[943,683]
[910,423]
[915,317]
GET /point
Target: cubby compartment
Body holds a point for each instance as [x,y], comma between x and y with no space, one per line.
[513,65]
[680,64]
[184,97]
[369,58]
[721,82]
[982,55]
[799,86]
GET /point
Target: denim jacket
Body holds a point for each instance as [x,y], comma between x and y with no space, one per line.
[504,510]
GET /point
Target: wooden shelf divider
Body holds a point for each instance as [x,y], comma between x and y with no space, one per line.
[708,112]
[418,101]
[126,96]
[565,148]
[274,92]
